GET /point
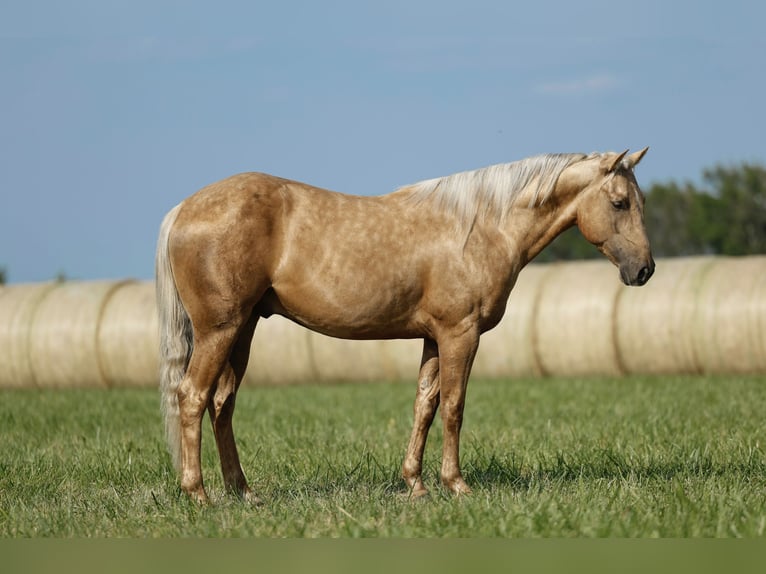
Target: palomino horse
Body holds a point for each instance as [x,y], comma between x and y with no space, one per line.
[435,260]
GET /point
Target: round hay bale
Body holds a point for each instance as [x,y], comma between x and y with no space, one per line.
[508,350]
[280,354]
[730,333]
[655,324]
[574,323]
[342,360]
[128,336]
[401,359]
[63,340]
[18,306]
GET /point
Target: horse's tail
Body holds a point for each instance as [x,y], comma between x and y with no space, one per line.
[175,339]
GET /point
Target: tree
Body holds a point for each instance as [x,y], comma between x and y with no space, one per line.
[738,222]
[677,220]
[568,246]
[2,276]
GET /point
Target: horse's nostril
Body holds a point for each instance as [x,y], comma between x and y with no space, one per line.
[644,274]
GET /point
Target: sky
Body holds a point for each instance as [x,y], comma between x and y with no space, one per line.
[113,112]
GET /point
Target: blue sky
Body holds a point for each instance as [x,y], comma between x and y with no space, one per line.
[111,113]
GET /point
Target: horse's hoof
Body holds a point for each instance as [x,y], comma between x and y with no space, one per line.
[458,487]
[418,493]
[198,496]
[416,488]
[415,495]
[249,497]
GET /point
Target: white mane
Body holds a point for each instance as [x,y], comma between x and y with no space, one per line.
[491,191]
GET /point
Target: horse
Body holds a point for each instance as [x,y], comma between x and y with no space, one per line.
[435,261]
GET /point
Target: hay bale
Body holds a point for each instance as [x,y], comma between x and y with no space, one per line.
[401,359]
[697,315]
[63,337]
[574,322]
[280,354]
[128,336]
[508,350]
[655,324]
[342,360]
[730,333]
[18,307]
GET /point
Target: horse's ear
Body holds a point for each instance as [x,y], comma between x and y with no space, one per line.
[609,164]
[634,158]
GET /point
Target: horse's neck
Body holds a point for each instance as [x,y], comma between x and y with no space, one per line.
[531,229]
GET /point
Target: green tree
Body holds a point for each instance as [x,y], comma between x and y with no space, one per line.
[569,245]
[3,277]
[677,220]
[737,223]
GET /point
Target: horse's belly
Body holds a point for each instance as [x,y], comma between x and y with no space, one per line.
[347,313]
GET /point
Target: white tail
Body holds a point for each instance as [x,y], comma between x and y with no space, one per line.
[175,339]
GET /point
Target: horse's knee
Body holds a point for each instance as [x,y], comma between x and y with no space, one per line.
[452,405]
[428,390]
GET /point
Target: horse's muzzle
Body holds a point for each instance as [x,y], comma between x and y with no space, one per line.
[637,278]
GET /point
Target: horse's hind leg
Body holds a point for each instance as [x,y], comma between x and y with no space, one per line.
[208,360]
[221,410]
[426,403]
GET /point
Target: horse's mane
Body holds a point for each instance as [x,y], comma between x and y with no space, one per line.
[491,191]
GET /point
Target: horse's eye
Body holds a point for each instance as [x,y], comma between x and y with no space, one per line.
[621,204]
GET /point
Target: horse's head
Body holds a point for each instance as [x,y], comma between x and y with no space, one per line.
[610,214]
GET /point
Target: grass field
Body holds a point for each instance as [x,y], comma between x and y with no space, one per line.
[641,457]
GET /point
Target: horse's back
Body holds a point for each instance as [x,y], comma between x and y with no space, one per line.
[254,221]
[231,197]
[243,196]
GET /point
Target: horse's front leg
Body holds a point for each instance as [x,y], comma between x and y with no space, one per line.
[456,356]
[426,403]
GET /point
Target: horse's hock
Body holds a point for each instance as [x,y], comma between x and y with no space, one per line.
[698,315]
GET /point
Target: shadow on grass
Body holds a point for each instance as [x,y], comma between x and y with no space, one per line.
[369,476]
[561,468]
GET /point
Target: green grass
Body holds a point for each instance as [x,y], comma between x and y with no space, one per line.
[670,457]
